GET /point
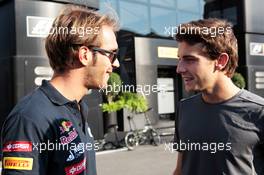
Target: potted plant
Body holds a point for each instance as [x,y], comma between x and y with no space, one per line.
[110,97]
[239,80]
[133,102]
[117,100]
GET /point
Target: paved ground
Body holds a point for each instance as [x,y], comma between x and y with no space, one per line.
[145,160]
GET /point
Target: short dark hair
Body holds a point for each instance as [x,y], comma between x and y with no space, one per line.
[221,40]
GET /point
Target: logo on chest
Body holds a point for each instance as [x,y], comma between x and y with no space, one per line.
[69,138]
[65,126]
[68,132]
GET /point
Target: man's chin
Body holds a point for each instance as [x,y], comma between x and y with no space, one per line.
[192,90]
[189,89]
[97,86]
[101,86]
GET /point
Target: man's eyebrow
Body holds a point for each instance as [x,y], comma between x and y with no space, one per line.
[189,56]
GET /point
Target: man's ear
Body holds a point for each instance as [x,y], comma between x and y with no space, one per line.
[221,61]
[84,55]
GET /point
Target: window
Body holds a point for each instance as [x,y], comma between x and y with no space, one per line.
[145,16]
[189,5]
[161,18]
[184,17]
[166,3]
[134,17]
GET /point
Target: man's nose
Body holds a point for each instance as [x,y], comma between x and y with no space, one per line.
[116,64]
[180,68]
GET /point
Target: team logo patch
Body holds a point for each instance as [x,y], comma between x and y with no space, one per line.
[68,139]
[76,152]
[65,126]
[17,146]
[76,168]
[18,163]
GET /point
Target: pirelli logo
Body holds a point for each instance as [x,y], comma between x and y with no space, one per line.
[18,163]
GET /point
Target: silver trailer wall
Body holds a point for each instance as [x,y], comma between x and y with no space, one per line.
[146,64]
[254,45]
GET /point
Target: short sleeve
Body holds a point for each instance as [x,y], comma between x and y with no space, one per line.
[21,138]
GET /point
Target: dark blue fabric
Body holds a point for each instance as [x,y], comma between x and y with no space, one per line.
[45,117]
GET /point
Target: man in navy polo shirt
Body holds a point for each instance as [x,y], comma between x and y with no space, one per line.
[46,132]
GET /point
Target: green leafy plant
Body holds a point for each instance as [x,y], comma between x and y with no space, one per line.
[117,100]
[113,87]
[129,100]
[112,106]
[239,80]
[111,94]
[134,102]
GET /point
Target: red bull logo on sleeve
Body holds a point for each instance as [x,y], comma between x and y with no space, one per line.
[17,146]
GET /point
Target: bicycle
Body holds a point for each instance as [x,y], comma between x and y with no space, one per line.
[113,140]
[136,137]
